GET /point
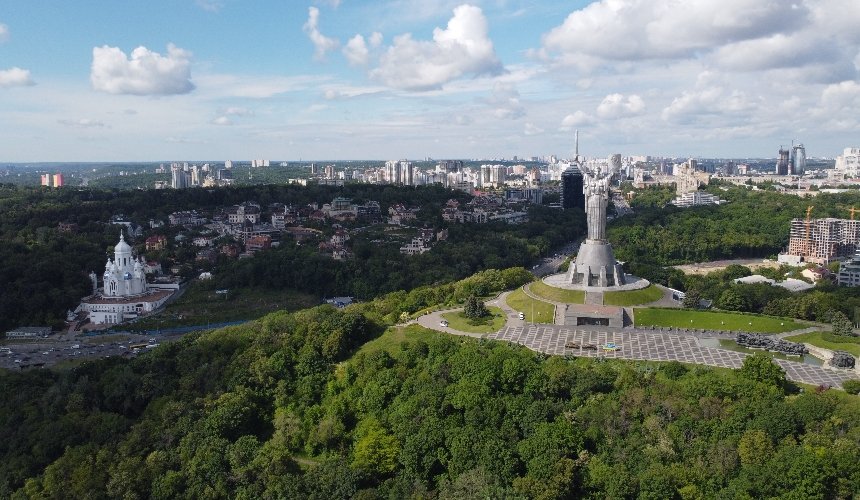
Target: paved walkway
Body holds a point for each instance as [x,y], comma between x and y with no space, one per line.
[594,298]
[641,345]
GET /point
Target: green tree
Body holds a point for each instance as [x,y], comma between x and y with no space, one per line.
[761,368]
[475,308]
[692,298]
[376,450]
[851,386]
[841,324]
[731,300]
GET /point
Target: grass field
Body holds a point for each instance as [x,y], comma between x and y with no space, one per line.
[198,307]
[554,294]
[536,311]
[710,320]
[632,297]
[493,323]
[394,336]
[827,340]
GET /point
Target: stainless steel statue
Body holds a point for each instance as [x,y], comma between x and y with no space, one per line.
[595,264]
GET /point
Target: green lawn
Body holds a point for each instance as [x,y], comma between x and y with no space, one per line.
[536,311]
[391,339]
[493,323]
[827,340]
[632,297]
[554,294]
[711,320]
[198,306]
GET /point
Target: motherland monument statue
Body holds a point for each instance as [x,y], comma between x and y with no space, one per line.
[595,268]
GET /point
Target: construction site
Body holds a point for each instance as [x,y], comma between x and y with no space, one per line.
[821,241]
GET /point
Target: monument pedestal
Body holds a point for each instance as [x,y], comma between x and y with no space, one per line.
[595,266]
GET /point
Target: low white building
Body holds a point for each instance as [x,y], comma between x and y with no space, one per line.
[415,247]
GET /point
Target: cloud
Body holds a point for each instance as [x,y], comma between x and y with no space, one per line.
[237,111]
[356,51]
[776,51]
[15,77]
[210,5]
[655,29]
[222,120]
[463,120]
[4,32]
[704,101]
[144,73]
[463,48]
[617,106]
[841,97]
[322,43]
[506,102]
[580,118]
[183,140]
[82,123]
[532,129]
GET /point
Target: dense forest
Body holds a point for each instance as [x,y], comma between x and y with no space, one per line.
[291,406]
[45,270]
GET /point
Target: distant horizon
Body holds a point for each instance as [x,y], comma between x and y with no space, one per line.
[275,162]
[444,79]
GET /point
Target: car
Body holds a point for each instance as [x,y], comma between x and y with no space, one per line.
[443,323]
[522,316]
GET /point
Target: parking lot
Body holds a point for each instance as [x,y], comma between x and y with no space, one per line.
[45,353]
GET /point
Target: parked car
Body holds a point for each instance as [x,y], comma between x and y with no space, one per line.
[443,323]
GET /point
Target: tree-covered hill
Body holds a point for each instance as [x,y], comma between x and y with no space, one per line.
[284,408]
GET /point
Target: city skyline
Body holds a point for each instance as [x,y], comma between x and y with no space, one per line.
[344,79]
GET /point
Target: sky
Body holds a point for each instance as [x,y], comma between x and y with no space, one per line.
[183,80]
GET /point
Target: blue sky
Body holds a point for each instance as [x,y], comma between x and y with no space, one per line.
[347,79]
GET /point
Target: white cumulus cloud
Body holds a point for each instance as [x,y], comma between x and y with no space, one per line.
[618,106]
[505,101]
[82,123]
[356,51]
[706,101]
[143,73]
[578,119]
[532,129]
[238,111]
[222,120]
[15,77]
[463,48]
[322,43]
[646,29]
[841,96]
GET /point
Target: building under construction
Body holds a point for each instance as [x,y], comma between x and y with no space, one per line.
[821,240]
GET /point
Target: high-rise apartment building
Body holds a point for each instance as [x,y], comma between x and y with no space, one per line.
[798,159]
[783,162]
[848,163]
[572,195]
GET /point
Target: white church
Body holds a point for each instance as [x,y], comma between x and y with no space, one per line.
[125,294]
